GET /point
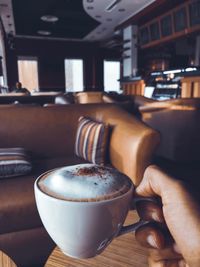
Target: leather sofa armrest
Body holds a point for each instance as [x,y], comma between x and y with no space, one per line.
[108,99]
[140,100]
[173,104]
[132,143]
[152,107]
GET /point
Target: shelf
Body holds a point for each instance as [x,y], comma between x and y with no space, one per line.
[125,56]
[126,48]
[126,41]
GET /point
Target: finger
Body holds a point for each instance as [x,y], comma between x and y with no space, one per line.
[151,184]
[154,235]
[165,255]
[150,236]
[150,211]
[164,263]
[156,182]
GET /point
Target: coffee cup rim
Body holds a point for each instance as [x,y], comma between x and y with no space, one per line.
[36,186]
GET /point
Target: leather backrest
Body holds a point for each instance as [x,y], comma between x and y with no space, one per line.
[49,132]
[67,98]
[89,97]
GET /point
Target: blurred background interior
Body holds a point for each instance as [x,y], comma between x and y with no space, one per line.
[132,64]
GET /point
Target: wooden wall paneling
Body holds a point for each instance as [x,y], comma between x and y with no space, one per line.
[133,88]
[196,86]
[196,89]
[130,89]
[186,88]
[190,87]
[185,91]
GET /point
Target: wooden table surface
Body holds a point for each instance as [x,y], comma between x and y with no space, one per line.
[124,251]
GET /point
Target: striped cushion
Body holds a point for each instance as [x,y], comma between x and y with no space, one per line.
[14,162]
[91,140]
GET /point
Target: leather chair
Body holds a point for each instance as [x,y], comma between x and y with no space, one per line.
[89,97]
[65,99]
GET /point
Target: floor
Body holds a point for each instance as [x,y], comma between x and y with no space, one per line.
[124,251]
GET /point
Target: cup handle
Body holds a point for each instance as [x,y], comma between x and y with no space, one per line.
[135,226]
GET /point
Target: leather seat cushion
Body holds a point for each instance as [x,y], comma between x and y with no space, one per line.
[17,204]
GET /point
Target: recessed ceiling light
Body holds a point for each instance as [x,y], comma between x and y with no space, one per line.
[44,33]
[49,18]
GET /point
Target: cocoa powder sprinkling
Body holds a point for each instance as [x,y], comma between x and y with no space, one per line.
[92,171]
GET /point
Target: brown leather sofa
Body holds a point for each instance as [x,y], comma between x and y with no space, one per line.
[101,97]
[89,97]
[98,97]
[65,99]
[141,100]
[84,98]
[178,122]
[130,103]
[48,133]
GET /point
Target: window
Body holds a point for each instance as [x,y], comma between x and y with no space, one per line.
[154,31]
[166,25]
[3,73]
[180,19]
[1,81]
[111,76]
[28,73]
[194,13]
[144,36]
[73,75]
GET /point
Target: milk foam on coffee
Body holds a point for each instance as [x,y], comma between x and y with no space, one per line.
[84,182]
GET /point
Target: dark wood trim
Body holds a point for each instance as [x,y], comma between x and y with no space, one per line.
[143,12]
[192,89]
[170,38]
[188,30]
[148,13]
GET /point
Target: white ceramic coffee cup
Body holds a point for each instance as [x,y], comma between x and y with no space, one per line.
[84,229]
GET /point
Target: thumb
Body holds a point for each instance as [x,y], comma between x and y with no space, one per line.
[149,185]
[155,183]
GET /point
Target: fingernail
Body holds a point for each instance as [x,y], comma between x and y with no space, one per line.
[152,242]
[156,217]
[176,249]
